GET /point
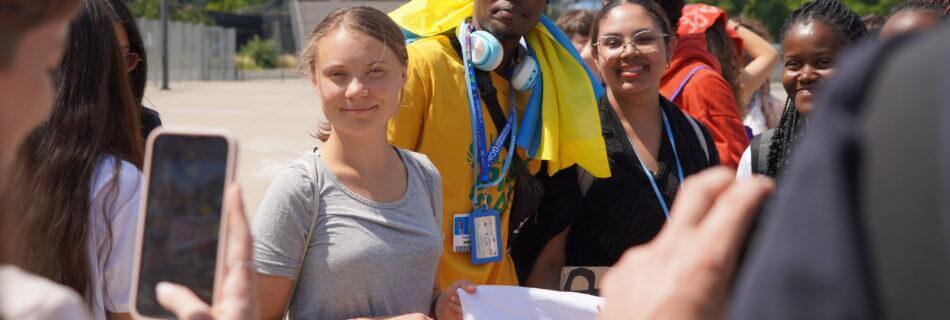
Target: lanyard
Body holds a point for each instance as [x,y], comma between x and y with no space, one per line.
[679,166]
[484,158]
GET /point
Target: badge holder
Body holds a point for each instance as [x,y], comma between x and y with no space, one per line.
[485,227]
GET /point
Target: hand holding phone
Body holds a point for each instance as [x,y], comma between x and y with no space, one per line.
[237,297]
[182,221]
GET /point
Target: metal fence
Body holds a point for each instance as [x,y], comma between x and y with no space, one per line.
[195,52]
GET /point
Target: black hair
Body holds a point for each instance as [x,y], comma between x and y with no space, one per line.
[138,77]
[652,8]
[847,24]
[936,8]
[92,116]
[674,10]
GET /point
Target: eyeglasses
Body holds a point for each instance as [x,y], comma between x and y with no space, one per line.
[131,60]
[646,41]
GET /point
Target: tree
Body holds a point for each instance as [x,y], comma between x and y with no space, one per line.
[193,11]
[774,12]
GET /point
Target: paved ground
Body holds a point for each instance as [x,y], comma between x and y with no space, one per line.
[272,121]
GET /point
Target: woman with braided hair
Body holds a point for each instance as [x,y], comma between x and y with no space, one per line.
[811,38]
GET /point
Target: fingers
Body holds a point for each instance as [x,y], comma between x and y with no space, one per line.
[455,307]
[697,194]
[238,285]
[729,219]
[467,286]
[239,235]
[181,301]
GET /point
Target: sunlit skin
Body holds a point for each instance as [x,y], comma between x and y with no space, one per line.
[809,59]
[509,21]
[27,85]
[359,88]
[906,21]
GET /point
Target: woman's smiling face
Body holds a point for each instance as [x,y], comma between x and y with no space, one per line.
[809,55]
[631,50]
[359,80]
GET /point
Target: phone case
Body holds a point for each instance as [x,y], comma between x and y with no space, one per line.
[222,232]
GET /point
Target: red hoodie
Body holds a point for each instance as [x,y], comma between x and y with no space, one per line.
[706,97]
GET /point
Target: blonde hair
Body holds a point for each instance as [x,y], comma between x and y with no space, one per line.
[365,20]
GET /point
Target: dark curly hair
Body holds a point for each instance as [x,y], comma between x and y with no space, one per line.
[847,24]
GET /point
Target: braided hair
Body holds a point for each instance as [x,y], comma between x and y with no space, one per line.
[847,24]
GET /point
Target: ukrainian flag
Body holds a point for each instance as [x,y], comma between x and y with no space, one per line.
[561,123]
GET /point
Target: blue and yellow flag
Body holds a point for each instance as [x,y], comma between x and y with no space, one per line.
[568,131]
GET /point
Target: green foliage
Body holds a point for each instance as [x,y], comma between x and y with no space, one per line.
[287,61]
[152,9]
[192,11]
[263,52]
[232,5]
[773,12]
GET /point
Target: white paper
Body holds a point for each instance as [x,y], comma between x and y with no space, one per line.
[506,302]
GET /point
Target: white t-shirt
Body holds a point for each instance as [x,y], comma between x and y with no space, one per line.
[26,296]
[113,223]
[745,164]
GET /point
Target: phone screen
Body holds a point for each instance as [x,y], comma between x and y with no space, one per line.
[182,217]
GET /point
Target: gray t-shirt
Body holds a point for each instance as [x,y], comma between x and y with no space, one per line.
[365,259]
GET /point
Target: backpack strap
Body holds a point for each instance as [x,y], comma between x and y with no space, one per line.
[759,150]
[685,81]
[317,186]
[700,136]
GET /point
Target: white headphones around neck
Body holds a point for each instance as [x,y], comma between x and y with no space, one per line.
[487,54]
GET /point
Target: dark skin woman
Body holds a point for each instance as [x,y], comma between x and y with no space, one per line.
[811,37]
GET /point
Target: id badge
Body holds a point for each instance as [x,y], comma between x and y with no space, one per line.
[461,242]
[485,229]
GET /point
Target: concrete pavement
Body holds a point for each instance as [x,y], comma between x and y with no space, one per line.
[272,120]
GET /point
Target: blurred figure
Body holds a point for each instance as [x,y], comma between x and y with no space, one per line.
[78,174]
[763,110]
[33,34]
[913,16]
[874,23]
[576,24]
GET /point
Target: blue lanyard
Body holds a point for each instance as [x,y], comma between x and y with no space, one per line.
[484,158]
[679,166]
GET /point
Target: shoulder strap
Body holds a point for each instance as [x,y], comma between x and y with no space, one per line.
[584,180]
[485,87]
[317,186]
[759,150]
[686,80]
[700,136]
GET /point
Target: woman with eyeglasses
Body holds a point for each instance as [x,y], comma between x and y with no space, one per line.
[134,60]
[651,145]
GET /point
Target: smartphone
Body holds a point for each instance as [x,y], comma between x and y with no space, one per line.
[182,224]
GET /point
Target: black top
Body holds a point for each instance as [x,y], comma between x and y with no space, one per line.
[150,121]
[623,211]
[618,212]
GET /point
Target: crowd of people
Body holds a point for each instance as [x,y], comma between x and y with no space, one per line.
[642,137]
